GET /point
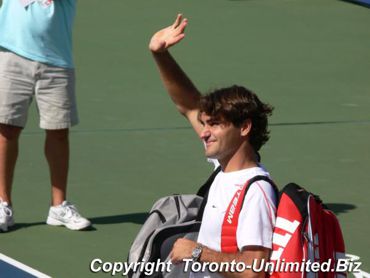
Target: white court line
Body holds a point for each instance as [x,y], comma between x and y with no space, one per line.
[361,273]
[23,267]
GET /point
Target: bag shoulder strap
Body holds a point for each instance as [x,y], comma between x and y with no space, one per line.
[204,190]
[231,219]
[262,178]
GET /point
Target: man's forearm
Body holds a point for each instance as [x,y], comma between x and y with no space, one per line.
[180,88]
[246,257]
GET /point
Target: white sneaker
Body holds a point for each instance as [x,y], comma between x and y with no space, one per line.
[67,215]
[6,216]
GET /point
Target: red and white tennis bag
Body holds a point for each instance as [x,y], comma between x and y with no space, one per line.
[307,240]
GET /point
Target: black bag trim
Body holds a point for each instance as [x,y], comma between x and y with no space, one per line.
[177,202]
[163,220]
[144,246]
[299,196]
[203,192]
[259,178]
[160,215]
[170,231]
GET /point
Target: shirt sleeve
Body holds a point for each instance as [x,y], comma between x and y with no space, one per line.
[257,217]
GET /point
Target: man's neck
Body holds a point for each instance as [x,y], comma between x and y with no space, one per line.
[232,167]
[239,161]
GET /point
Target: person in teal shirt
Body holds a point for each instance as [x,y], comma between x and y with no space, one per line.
[36,61]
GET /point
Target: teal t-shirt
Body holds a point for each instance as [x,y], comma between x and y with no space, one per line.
[41,31]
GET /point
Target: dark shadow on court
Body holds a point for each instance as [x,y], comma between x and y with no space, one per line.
[339,208]
[18,226]
[136,218]
[357,2]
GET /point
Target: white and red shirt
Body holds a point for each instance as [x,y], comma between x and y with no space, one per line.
[256,219]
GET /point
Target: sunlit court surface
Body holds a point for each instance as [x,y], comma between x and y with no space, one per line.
[310,59]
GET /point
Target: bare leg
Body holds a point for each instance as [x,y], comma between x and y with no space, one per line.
[9,136]
[57,155]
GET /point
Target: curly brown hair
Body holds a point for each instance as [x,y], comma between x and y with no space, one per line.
[235,105]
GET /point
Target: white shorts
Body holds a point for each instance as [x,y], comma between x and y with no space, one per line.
[53,88]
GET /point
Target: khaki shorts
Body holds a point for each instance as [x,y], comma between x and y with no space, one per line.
[53,88]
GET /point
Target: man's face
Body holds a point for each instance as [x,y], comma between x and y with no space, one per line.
[221,139]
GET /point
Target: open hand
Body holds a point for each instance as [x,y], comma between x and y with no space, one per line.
[171,35]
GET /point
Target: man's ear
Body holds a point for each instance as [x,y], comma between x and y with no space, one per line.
[246,128]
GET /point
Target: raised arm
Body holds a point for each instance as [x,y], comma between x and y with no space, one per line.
[180,88]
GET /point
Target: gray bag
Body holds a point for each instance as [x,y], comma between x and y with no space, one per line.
[172,217]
